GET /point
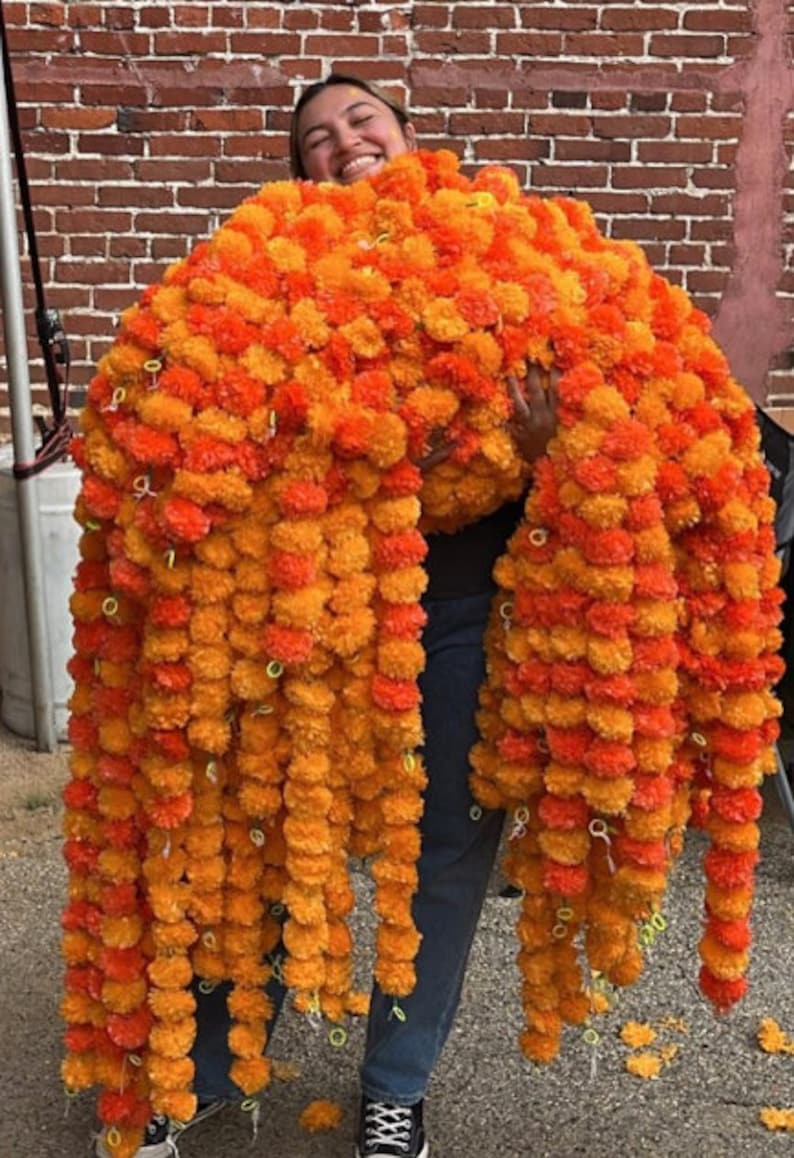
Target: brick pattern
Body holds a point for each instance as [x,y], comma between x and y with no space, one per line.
[144,124]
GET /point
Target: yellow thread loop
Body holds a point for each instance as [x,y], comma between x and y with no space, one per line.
[209,939]
[113,1138]
[257,837]
[119,394]
[207,986]
[170,558]
[152,366]
[263,710]
[398,1012]
[274,669]
[699,739]
[409,761]
[475,812]
[590,1037]
[337,1037]
[110,606]
[538,536]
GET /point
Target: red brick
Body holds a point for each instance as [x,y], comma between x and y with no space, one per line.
[563,18]
[709,127]
[718,19]
[431,15]
[128,247]
[96,169]
[218,197]
[638,18]
[93,272]
[453,42]
[714,178]
[479,123]
[604,44]
[683,152]
[687,102]
[645,228]
[90,245]
[566,149]
[687,47]
[173,222]
[694,255]
[28,40]
[231,16]
[179,43]
[532,44]
[52,14]
[139,196]
[69,221]
[223,120]
[336,21]
[191,15]
[631,126]
[120,44]
[184,146]
[484,16]
[608,101]
[83,15]
[264,43]
[687,205]
[366,46]
[511,150]
[190,172]
[75,118]
[153,17]
[570,176]
[649,177]
[271,17]
[119,18]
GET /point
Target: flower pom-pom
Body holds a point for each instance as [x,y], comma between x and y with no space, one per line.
[320,1117]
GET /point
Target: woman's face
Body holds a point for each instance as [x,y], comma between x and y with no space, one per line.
[345,133]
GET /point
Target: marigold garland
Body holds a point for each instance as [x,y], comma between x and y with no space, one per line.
[248,621]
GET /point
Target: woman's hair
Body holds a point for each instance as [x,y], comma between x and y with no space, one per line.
[295,159]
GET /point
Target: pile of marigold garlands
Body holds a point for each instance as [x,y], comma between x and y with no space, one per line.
[248,614]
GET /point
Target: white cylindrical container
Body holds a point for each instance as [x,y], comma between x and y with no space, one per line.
[57,490]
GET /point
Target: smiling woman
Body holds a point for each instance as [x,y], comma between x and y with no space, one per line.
[344,129]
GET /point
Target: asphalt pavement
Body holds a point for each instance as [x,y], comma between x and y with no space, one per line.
[485,1100]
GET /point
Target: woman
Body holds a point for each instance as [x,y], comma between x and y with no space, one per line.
[345,130]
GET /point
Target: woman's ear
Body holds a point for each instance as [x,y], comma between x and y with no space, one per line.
[409,132]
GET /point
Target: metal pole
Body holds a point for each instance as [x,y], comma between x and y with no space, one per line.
[24,451]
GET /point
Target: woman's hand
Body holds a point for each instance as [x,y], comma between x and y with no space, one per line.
[439,449]
[534,420]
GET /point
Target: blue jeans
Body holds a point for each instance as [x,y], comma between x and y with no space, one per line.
[459,844]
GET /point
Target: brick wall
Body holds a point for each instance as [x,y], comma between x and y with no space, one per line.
[144,124]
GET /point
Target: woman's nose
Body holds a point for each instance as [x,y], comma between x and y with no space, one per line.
[346,136]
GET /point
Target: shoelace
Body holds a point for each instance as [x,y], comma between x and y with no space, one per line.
[387,1125]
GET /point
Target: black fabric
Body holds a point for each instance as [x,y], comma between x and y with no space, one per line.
[461,564]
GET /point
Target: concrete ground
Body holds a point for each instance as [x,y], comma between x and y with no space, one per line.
[485,1100]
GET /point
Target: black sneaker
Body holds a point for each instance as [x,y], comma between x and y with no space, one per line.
[387,1131]
[157,1142]
[160,1137]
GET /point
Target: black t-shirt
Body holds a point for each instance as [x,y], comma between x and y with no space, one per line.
[461,564]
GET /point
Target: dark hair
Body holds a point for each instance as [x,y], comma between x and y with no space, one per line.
[295,160]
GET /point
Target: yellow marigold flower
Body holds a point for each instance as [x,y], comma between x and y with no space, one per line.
[443,322]
[264,364]
[286,255]
[644,1065]
[320,1117]
[364,337]
[637,1034]
[772,1038]
[776,1119]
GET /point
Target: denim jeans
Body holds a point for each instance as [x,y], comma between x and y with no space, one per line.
[459,844]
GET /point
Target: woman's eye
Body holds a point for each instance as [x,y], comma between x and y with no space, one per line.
[361,121]
[315,141]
